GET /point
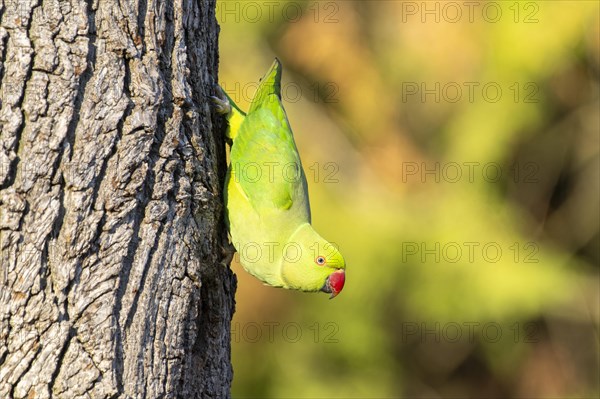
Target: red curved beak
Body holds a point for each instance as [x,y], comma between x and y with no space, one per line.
[334,283]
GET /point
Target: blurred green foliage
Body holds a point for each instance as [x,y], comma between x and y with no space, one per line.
[452,152]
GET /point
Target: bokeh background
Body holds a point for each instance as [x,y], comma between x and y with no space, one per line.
[452,153]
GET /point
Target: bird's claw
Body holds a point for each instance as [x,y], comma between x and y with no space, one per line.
[221,102]
[227,252]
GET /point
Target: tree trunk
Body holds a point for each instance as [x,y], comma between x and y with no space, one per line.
[111,170]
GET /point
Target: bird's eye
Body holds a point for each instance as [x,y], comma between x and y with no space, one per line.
[320,260]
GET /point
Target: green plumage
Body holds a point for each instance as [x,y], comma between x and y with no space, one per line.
[267,202]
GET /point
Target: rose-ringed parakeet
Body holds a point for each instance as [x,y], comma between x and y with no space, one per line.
[266,198]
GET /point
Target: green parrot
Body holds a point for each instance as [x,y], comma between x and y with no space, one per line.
[266,197]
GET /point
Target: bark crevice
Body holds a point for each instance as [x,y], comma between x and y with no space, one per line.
[82,82]
[60,359]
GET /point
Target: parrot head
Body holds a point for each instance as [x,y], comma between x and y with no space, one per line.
[311,263]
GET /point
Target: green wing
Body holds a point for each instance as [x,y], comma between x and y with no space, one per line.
[266,164]
[264,158]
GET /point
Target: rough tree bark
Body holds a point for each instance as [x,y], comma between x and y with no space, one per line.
[111,166]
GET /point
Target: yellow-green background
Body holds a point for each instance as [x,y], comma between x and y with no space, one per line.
[528,317]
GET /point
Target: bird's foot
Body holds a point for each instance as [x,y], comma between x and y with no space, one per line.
[227,253]
[221,102]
